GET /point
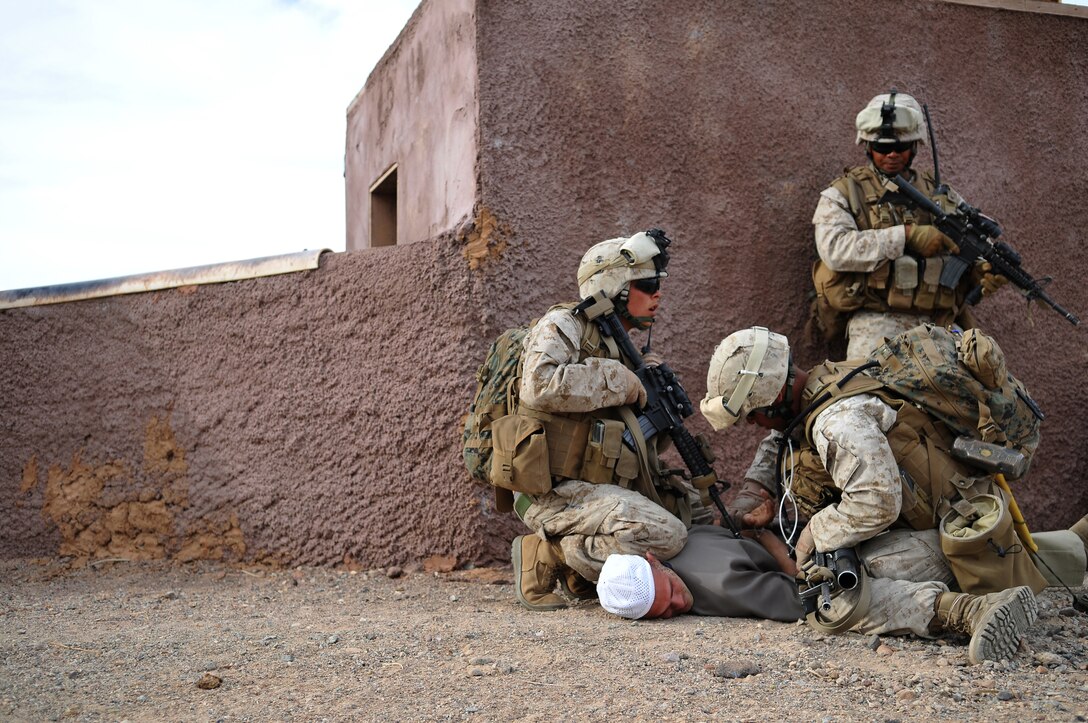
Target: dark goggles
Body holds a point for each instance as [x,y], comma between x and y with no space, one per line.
[886,147]
[648,286]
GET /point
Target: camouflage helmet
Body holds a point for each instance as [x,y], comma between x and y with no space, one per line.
[610,265]
[891,116]
[747,371]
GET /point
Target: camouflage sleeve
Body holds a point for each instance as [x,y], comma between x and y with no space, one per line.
[555,378]
[850,437]
[761,470]
[842,246]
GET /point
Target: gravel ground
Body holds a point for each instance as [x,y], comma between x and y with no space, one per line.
[158,641]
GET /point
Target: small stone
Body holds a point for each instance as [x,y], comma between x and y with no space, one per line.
[1005,695]
[333,639]
[209,682]
[1042,669]
[1047,658]
[453,598]
[288,658]
[671,657]
[885,650]
[481,661]
[906,695]
[477,672]
[740,669]
[393,572]
[874,642]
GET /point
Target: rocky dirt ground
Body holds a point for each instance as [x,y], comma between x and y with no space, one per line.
[156,641]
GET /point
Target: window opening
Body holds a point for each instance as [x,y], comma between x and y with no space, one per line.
[383,209]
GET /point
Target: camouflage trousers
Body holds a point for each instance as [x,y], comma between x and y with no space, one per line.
[907,571]
[592,521]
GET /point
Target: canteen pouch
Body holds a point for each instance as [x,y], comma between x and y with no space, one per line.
[519,460]
[985,553]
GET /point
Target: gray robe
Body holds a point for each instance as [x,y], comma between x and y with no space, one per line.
[734,578]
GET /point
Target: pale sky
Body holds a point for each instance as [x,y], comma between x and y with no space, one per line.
[143,135]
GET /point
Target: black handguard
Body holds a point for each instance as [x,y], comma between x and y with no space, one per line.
[843,572]
[667,404]
[975,234]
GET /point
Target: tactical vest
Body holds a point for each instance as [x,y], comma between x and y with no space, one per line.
[586,446]
[908,284]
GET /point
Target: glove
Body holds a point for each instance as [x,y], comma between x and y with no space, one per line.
[989,281]
[927,241]
[636,393]
[752,506]
[652,359]
[805,546]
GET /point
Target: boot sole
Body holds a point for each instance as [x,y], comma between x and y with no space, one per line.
[1002,627]
[515,560]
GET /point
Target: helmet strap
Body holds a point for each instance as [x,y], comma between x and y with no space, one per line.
[639,322]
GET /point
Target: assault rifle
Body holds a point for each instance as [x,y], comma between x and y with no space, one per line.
[825,573]
[975,234]
[667,404]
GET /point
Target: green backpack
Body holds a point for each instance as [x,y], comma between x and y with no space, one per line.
[962,380]
[497,382]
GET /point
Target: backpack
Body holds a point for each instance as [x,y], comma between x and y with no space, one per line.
[958,379]
[961,379]
[497,382]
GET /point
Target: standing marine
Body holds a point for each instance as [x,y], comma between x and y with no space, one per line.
[880,258]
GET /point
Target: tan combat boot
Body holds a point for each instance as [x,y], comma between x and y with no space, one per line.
[577,586]
[536,569]
[1080,528]
[995,622]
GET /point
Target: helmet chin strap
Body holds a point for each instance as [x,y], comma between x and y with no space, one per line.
[639,322]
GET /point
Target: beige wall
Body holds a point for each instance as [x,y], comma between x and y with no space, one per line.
[418,111]
[315,418]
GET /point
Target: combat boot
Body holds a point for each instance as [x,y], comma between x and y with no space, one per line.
[536,570]
[577,586]
[1080,528]
[995,622]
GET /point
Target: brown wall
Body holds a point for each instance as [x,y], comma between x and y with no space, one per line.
[417,110]
[722,121]
[316,415]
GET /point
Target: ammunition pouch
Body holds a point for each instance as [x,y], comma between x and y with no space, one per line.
[519,457]
[533,449]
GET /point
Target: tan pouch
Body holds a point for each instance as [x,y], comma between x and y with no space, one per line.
[925,297]
[985,554]
[519,460]
[841,291]
[603,451]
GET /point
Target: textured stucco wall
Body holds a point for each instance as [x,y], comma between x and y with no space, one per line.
[417,110]
[314,416]
[304,418]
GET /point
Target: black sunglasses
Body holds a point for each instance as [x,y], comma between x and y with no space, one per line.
[884,148]
[648,286]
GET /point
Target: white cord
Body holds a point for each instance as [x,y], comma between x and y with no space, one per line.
[787,494]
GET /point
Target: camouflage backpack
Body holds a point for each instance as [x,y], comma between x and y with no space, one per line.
[962,380]
[497,382]
[959,379]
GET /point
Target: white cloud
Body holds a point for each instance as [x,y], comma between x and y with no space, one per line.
[140,136]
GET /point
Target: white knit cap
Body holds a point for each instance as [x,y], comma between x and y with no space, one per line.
[626,586]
